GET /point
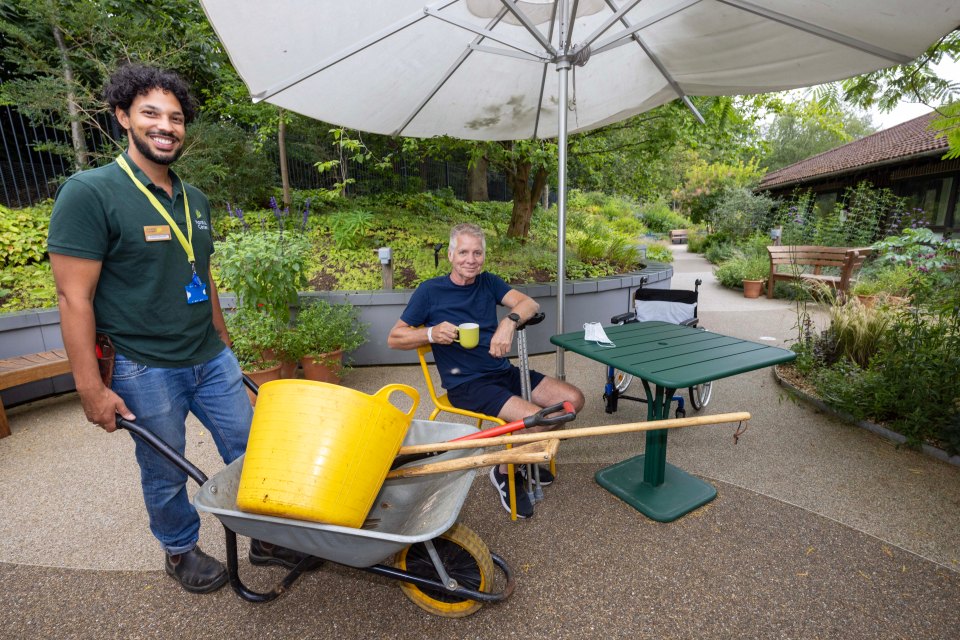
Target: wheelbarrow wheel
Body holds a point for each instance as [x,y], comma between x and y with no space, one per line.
[700,395]
[465,558]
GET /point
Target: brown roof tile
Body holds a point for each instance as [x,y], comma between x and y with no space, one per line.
[907,139]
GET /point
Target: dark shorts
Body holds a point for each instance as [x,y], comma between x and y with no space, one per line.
[488,394]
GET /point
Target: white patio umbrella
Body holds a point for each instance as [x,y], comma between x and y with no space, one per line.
[482,69]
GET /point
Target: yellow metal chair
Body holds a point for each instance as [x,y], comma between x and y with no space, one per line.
[441,403]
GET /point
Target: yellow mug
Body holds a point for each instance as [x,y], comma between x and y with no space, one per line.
[469,335]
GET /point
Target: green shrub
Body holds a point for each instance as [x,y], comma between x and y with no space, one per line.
[23,234]
[657,252]
[742,266]
[895,280]
[660,218]
[350,228]
[739,213]
[28,286]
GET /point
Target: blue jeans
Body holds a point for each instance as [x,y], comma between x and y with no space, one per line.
[160,399]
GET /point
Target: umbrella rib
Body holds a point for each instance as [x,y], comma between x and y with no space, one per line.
[543,75]
[622,38]
[618,14]
[486,33]
[453,68]
[343,54]
[528,25]
[660,67]
[818,31]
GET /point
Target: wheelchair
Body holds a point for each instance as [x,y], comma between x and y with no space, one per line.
[667,305]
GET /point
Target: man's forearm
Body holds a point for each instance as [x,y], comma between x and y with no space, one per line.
[78,329]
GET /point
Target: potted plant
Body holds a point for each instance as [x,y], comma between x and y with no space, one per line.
[890,282]
[747,270]
[265,270]
[255,336]
[322,333]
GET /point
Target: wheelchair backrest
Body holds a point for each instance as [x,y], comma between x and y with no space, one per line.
[666,305]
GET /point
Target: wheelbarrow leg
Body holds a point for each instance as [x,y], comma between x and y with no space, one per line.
[233,572]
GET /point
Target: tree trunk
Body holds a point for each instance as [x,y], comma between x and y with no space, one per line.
[282,150]
[80,155]
[477,181]
[525,197]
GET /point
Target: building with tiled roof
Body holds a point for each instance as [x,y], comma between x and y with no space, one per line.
[905,158]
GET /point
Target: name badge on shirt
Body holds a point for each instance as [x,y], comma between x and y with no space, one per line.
[157,233]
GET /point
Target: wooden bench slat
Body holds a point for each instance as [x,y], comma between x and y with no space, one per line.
[30,367]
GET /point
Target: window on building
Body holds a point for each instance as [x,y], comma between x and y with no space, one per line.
[932,195]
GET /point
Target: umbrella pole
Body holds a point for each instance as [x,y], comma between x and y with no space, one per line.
[563,68]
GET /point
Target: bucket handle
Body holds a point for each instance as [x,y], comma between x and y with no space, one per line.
[385,393]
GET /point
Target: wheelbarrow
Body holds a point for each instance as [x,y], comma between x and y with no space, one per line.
[411,534]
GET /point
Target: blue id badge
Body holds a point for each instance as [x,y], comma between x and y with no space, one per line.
[196,291]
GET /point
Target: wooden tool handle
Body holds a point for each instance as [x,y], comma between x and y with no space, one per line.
[524,438]
[533,453]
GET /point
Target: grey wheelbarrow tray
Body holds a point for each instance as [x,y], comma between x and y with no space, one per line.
[406,511]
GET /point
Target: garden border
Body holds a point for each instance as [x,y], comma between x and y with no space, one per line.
[883,432]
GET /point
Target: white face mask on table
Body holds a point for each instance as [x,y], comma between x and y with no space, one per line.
[593,332]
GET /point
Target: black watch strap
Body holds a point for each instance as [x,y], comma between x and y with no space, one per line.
[515,317]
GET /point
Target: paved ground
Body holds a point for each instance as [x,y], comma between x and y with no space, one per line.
[820,530]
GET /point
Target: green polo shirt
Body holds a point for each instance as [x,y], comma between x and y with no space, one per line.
[140,301]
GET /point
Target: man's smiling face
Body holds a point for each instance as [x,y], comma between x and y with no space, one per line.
[156,126]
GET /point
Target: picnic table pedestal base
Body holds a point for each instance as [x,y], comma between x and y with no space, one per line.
[652,486]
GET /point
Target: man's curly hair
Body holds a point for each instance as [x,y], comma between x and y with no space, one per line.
[132,80]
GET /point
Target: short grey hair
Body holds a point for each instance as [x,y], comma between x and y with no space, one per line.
[466,228]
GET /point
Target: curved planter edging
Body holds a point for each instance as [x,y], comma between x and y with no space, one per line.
[591,300]
[883,432]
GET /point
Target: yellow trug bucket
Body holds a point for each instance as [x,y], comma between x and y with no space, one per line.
[320,451]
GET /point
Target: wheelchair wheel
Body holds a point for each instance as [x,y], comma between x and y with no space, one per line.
[700,395]
[621,381]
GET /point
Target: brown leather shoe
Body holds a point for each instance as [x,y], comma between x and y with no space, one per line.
[196,571]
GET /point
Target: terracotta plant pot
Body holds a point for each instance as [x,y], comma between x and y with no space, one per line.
[260,376]
[327,367]
[288,368]
[752,288]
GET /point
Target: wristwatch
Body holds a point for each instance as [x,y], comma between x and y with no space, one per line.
[515,317]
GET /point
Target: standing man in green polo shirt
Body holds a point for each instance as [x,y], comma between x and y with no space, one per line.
[130,248]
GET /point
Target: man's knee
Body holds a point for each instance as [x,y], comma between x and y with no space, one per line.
[551,391]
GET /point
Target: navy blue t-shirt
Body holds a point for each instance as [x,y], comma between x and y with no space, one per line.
[440,300]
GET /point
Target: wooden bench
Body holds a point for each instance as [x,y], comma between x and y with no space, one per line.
[678,236]
[29,368]
[798,259]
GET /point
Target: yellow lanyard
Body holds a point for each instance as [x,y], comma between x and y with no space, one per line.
[186,243]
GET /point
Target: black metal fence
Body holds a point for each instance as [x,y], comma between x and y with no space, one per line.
[31,171]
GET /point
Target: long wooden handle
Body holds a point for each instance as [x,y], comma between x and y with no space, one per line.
[586,432]
[533,453]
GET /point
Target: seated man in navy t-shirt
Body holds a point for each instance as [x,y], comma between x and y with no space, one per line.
[479,379]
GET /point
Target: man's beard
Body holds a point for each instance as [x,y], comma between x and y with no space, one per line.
[143,146]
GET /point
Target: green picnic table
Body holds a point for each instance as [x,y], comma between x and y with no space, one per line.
[670,357]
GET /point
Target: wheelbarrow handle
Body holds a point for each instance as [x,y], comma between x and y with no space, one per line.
[163,449]
[253,386]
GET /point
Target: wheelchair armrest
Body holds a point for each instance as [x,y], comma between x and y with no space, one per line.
[624,318]
[692,322]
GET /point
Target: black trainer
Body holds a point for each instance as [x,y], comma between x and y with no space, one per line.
[196,571]
[499,480]
[546,478]
[263,553]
